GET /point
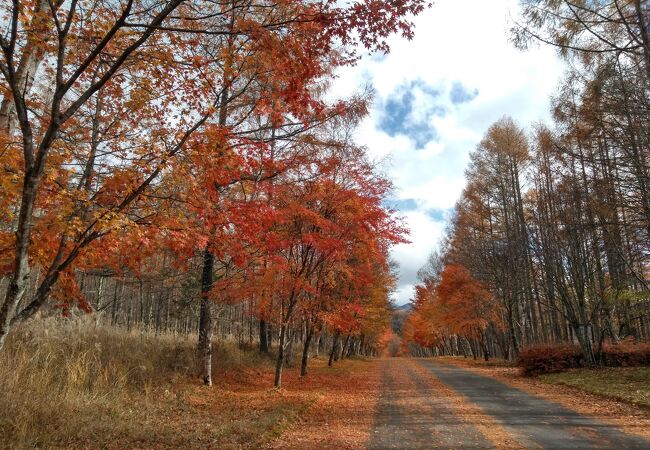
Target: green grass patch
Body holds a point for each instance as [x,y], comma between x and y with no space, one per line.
[629,384]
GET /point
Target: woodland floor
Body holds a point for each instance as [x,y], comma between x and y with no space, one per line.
[398,403]
[242,410]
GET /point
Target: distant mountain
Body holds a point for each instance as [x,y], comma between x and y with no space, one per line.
[406,308]
[400,312]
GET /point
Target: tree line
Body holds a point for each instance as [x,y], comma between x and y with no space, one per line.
[167,162]
[550,240]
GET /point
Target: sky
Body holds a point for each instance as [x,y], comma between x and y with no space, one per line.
[435,97]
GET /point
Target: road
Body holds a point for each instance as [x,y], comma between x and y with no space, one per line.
[426,404]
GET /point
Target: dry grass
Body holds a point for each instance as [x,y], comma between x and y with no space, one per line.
[62,380]
[80,384]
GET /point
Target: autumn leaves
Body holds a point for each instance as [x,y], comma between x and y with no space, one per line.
[458,306]
[555,220]
[197,131]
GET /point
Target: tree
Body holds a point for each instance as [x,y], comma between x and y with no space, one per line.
[553,223]
[122,90]
[589,29]
[334,213]
[468,309]
[556,235]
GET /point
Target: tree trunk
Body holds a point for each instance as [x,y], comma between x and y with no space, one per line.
[281,344]
[345,346]
[288,355]
[582,333]
[514,345]
[264,336]
[205,320]
[486,349]
[317,345]
[333,351]
[32,56]
[280,360]
[305,350]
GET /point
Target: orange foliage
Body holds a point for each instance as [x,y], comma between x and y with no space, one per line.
[468,308]
[457,305]
[187,127]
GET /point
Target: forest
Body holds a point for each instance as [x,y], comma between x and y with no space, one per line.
[550,240]
[196,249]
[177,170]
[173,163]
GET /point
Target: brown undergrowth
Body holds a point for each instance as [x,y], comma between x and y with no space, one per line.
[80,384]
[629,418]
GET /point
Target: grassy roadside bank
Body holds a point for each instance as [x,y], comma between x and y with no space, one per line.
[628,384]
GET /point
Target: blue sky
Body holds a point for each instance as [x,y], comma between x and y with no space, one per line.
[435,97]
[409,110]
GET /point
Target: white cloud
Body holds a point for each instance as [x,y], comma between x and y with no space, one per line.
[455,43]
[425,233]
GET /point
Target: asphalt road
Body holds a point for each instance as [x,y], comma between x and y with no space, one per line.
[414,414]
